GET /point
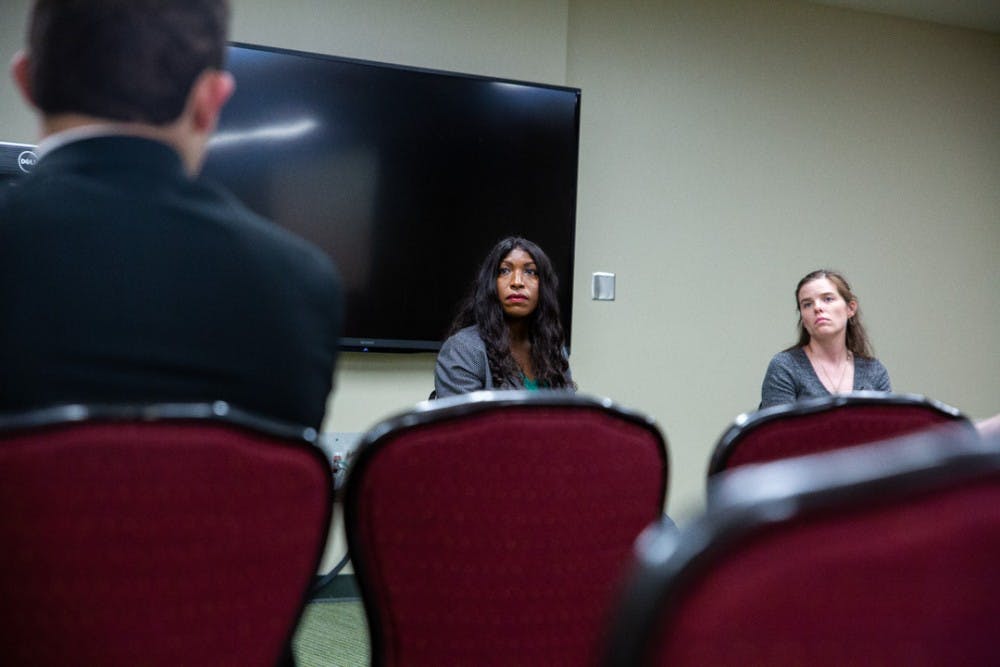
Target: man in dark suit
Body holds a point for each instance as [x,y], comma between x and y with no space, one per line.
[123,277]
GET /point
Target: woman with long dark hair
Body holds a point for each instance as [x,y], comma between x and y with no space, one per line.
[832,355]
[507,334]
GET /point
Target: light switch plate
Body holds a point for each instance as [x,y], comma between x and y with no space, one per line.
[602,287]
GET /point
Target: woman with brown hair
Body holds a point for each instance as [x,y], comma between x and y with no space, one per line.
[832,355]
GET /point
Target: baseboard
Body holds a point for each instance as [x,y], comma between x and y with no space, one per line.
[341,587]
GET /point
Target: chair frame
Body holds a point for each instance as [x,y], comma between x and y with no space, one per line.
[749,421]
[456,408]
[216,411]
[206,413]
[751,498]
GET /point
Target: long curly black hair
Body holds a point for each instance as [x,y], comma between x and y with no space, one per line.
[482,308]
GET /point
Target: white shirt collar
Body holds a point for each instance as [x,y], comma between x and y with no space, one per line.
[59,139]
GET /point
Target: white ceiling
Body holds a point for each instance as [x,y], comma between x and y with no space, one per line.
[976,14]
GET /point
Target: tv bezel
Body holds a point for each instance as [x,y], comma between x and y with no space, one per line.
[397,345]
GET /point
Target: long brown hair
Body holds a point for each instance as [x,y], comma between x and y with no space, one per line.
[856,338]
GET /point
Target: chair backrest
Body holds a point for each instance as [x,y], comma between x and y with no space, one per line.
[881,555]
[823,424]
[491,528]
[156,535]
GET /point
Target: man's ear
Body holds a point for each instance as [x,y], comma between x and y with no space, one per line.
[209,94]
[20,71]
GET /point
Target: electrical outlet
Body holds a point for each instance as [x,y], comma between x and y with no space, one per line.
[339,447]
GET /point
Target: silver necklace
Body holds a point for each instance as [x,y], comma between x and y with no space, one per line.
[843,370]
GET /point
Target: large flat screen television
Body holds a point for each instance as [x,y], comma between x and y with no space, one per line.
[406,177]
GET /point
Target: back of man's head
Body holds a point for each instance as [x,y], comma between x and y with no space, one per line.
[123,60]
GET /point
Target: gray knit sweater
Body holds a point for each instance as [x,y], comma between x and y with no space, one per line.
[462,366]
[790,376]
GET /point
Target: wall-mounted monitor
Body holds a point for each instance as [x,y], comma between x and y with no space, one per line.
[406,177]
[16,160]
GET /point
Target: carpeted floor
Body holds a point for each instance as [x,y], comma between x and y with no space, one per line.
[332,633]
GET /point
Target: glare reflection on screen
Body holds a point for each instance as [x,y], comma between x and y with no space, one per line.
[277,132]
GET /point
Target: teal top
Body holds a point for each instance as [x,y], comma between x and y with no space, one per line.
[529,384]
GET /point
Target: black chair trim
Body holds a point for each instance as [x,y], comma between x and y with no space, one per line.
[216,411]
[754,418]
[468,404]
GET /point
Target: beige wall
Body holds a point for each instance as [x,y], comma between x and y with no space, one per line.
[727,149]
[16,123]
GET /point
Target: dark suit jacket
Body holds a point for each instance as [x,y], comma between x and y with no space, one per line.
[121,279]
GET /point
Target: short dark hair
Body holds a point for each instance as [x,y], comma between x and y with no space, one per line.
[124,60]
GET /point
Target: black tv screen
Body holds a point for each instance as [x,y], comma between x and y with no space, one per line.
[406,177]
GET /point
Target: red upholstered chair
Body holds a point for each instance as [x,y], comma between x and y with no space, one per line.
[822,424]
[491,528]
[883,554]
[156,535]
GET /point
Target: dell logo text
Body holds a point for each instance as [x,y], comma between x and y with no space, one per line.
[26,160]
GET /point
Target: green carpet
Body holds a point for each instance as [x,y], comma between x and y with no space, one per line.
[332,633]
